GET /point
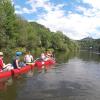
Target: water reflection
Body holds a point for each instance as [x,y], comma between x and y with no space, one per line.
[63,57]
[75,77]
[5,83]
[89,56]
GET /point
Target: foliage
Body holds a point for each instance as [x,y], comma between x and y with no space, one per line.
[17,33]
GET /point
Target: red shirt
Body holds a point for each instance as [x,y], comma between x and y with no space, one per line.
[1,63]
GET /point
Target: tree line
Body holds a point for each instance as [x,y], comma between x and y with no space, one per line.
[89,43]
[16,33]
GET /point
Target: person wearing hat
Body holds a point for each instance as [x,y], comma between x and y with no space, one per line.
[1,61]
[16,60]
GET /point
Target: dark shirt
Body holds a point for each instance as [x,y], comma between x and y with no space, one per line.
[14,62]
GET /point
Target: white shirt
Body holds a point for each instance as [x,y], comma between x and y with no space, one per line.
[28,58]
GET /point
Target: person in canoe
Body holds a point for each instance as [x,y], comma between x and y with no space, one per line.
[28,58]
[49,55]
[1,62]
[16,62]
[46,56]
[3,66]
[43,56]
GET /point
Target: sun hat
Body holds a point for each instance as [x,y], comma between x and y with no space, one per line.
[1,53]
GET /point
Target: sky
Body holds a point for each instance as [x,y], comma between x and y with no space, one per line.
[77,19]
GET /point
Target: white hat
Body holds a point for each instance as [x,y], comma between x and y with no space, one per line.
[1,53]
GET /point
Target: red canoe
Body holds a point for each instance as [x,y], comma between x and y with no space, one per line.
[22,70]
[25,69]
[39,64]
[15,72]
[6,74]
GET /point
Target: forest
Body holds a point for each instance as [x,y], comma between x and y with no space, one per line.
[17,34]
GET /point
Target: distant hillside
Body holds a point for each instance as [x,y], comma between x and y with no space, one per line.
[89,43]
[87,39]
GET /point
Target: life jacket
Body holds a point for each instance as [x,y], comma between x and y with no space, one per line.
[1,63]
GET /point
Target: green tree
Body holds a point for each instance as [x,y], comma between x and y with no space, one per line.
[7,20]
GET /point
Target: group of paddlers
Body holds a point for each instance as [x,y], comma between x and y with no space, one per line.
[28,59]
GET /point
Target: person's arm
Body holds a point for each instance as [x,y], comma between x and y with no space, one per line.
[17,63]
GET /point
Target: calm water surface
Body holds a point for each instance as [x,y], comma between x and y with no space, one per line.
[75,77]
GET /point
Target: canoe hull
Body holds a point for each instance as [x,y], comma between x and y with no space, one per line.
[25,69]
[5,74]
[44,64]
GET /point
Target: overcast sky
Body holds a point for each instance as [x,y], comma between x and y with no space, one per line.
[75,18]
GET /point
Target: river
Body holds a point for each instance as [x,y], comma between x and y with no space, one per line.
[74,77]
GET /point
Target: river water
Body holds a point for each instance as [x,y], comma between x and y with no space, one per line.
[74,77]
